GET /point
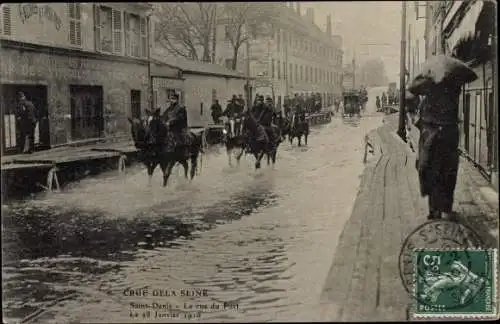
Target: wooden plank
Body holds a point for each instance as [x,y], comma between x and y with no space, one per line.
[14,166]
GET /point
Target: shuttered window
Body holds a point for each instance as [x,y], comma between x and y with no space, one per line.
[117,31]
[144,38]
[6,20]
[126,20]
[75,24]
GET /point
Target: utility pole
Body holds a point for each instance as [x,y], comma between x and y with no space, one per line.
[402,76]
[150,77]
[354,69]
[214,36]
[249,94]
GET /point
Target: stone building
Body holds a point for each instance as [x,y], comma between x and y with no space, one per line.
[83,65]
[288,53]
[447,22]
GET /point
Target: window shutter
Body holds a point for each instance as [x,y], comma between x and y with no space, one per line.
[126,19]
[6,21]
[117,31]
[144,38]
[75,25]
[97,27]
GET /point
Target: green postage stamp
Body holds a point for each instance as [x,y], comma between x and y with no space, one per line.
[459,284]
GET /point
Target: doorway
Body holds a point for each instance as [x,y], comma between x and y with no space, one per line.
[37,94]
[135,103]
[87,117]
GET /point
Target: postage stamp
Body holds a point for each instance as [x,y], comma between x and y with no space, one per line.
[455,283]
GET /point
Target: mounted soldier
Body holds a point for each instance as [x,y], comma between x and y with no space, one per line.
[233,111]
[264,114]
[175,116]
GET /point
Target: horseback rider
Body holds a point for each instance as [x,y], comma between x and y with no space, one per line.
[176,118]
[264,113]
[377,103]
[233,110]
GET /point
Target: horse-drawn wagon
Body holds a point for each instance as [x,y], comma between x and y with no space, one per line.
[352,103]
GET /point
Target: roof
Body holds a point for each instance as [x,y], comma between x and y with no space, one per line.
[196,67]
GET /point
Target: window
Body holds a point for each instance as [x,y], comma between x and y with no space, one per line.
[301,73]
[290,72]
[279,70]
[6,20]
[108,30]
[75,24]
[307,73]
[132,35]
[296,73]
[135,103]
[272,68]
[227,32]
[229,64]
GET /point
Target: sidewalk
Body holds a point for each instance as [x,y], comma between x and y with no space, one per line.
[364,279]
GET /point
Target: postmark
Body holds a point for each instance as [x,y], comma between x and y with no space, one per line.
[455,283]
[441,235]
[436,234]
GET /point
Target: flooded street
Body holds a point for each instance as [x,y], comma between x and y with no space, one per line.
[257,244]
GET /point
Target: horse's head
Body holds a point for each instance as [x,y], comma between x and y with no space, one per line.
[139,132]
[156,131]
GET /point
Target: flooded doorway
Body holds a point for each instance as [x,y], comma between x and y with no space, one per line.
[37,94]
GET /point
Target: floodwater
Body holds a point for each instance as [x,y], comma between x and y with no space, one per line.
[257,245]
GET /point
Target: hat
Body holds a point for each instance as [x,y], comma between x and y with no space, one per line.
[269,99]
[261,97]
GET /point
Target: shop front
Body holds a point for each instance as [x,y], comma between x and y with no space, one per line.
[77,97]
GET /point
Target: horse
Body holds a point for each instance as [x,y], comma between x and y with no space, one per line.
[154,141]
[298,128]
[233,137]
[258,141]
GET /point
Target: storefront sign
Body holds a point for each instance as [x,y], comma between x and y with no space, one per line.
[43,12]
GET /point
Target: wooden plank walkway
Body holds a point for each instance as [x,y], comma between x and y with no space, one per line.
[364,280]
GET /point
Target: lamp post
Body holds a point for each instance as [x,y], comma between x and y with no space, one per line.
[249,95]
[402,76]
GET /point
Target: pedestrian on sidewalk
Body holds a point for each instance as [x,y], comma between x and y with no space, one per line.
[437,161]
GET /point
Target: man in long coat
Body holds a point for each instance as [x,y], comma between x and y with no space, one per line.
[176,118]
[26,118]
[438,155]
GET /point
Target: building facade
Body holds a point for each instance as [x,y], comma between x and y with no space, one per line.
[197,84]
[478,108]
[289,54]
[83,65]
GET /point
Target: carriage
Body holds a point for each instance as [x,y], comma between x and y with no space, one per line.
[352,103]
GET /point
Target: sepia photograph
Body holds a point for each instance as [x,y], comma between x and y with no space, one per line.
[191,162]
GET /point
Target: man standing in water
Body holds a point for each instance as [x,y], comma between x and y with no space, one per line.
[438,156]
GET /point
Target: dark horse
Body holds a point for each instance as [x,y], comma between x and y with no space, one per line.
[258,141]
[298,127]
[233,137]
[154,142]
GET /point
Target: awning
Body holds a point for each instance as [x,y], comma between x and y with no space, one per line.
[467,26]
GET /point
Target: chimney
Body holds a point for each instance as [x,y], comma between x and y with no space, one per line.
[329,25]
[310,15]
[297,5]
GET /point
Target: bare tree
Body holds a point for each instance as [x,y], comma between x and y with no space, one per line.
[185,29]
[244,20]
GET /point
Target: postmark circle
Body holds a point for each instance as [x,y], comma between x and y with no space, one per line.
[438,235]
